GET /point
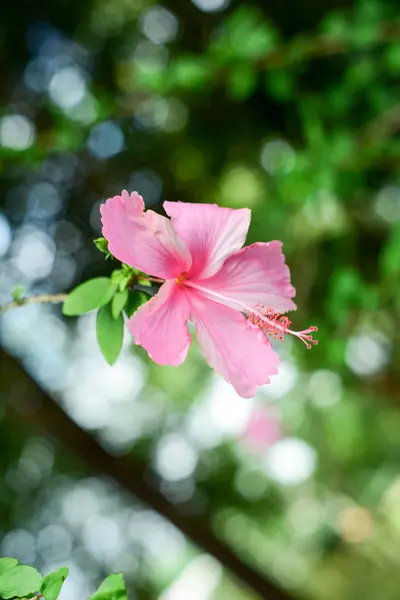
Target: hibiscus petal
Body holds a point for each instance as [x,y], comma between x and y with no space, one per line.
[160,325]
[232,346]
[256,274]
[145,240]
[210,232]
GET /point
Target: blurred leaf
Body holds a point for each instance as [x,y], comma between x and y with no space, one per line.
[135,299]
[365,34]
[19,581]
[390,257]
[190,72]
[393,58]
[344,433]
[280,83]
[112,588]
[88,296]
[118,302]
[337,25]
[52,583]
[242,81]
[110,333]
[370,298]
[245,34]
[345,293]
[7,563]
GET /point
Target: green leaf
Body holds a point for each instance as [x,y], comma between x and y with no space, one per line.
[135,299]
[7,563]
[121,278]
[245,34]
[390,255]
[118,302]
[110,333]
[190,72]
[19,581]
[242,82]
[18,293]
[88,296]
[280,84]
[101,244]
[112,588]
[52,583]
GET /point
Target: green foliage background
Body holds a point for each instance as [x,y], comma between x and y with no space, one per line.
[291,109]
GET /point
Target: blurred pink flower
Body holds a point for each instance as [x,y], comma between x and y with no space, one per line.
[263,429]
[210,280]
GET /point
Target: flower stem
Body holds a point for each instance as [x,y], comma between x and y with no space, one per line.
[42,299]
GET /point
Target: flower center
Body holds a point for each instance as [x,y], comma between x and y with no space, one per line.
[179,280]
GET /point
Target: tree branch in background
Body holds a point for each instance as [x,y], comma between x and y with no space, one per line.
[37,410]
[325,45]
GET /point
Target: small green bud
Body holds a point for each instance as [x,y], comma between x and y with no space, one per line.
[121,278]
[101,244]
[130,269]
[18,293]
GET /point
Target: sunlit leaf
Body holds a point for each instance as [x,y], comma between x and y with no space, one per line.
[110,333]
[7,563]
[112,588]
[52,583]
[19,581]
[118,302]
[88,296]
[101,244]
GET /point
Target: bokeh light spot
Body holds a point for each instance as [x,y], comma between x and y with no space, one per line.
[44,200]
[175,458]
[387,204]
[366,355]
[106,140]
[241,187]
[33,253]
[277,156]
[290,461]
[159,25]
[5,235]
[16,132]
[211,5]
[67,87]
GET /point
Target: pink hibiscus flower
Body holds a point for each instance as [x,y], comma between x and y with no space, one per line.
[232,295]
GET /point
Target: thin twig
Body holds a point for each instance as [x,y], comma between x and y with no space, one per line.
[41,299]
[48,298]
